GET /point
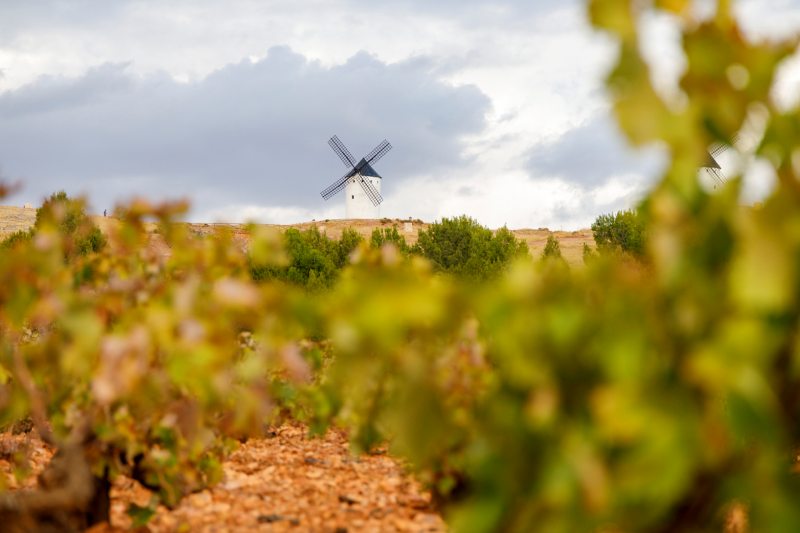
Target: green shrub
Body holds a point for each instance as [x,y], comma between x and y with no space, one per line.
[462,247]
[312,257]
[552,248]
[314,260]
[623,231]
[381,236]
[348,242]
[67,216]
[23,235]
[588,254]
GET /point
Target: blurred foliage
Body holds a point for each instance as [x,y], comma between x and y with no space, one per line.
[617,397]
[153,362]
[654,396]
[623,231]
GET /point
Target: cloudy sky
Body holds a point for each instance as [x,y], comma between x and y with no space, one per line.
[494,108]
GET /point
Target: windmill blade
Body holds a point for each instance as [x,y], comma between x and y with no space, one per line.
[337,185]
[719,147]
[716,175]
[378,152]
[342,151]
[371,191]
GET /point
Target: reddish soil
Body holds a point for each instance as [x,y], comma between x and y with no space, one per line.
[285,483]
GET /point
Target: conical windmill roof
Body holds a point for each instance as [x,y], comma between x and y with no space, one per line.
[365,169]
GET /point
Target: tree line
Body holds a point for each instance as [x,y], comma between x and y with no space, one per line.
[457,246]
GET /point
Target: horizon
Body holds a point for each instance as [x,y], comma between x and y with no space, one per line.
[365,221]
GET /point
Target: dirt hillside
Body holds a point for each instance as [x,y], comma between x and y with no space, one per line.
[15,218]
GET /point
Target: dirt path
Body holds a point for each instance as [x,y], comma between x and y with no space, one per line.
[288,482]
[294,483]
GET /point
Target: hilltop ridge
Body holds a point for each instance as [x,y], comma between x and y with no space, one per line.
[14,218]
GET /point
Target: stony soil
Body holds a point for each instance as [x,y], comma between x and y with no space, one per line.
[288,482]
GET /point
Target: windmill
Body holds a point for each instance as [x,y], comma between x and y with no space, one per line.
[362,183]
[711,166]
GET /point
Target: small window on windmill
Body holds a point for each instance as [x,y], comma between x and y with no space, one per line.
[352,196]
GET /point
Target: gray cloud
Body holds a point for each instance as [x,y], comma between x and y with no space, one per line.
[83,12]
[591,154]
[16,18]
[459,8]
[248,133]
[52,93]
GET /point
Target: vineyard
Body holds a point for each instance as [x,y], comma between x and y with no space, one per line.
[655,390]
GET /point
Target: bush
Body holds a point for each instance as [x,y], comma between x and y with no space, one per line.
[313,257]
[552,249]
[348,242]
[462,247]
[381,236]
[623,231]
[314,260]
[588,254]
[17,237]
[68,216]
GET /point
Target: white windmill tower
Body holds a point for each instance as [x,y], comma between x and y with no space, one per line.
[362,183]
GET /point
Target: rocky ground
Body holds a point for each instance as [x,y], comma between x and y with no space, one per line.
[287,482]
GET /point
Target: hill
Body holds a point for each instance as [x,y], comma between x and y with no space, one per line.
[16,218]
